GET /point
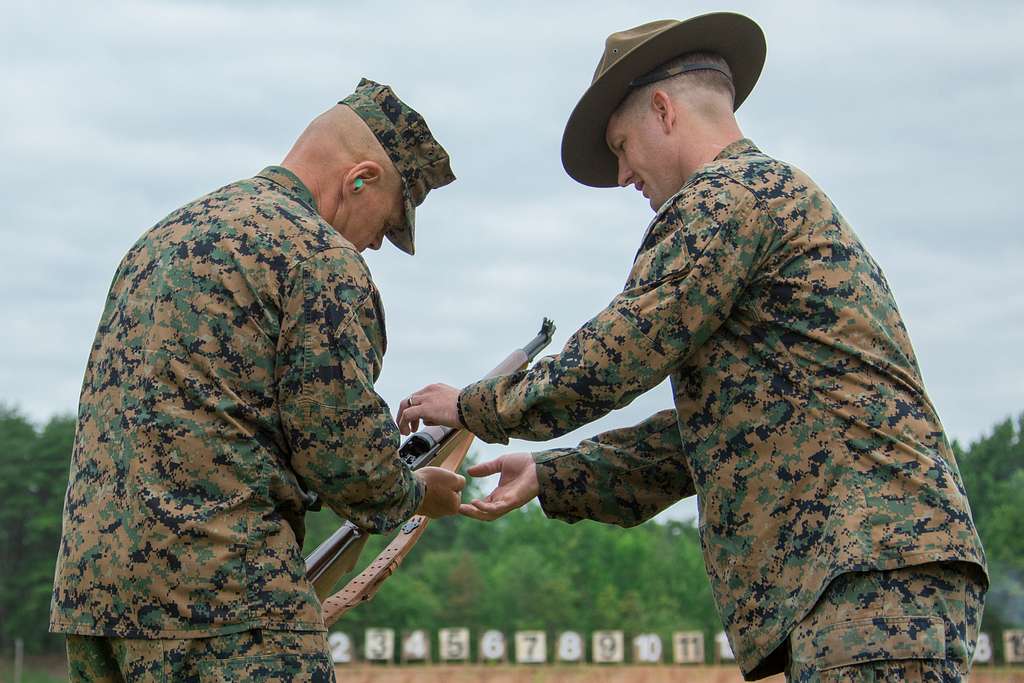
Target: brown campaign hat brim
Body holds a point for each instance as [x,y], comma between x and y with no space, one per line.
[736,38]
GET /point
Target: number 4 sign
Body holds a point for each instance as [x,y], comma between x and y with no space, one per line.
[1013,647]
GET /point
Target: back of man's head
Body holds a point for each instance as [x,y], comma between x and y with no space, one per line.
[707,92]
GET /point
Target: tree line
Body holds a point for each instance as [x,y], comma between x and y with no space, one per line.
[520,572]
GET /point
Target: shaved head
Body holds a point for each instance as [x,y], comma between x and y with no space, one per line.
[354,183]
[337,139]
[709,93]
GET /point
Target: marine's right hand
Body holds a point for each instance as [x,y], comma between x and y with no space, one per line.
[517,486]
[443,491]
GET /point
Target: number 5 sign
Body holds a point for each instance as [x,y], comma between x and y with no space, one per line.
[454,644]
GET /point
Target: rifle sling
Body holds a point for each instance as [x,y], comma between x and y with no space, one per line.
[364,586]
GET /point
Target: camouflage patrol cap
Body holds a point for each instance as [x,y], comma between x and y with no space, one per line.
[421,162]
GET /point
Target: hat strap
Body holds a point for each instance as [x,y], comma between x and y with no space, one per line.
[662,74]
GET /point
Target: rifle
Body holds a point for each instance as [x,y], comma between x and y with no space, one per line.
[431,446]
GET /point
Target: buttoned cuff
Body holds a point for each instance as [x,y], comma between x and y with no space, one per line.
[554,500]
[479,412]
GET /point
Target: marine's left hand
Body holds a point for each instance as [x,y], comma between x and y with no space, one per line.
[435,404]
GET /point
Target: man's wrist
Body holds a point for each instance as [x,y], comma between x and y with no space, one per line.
[478,413]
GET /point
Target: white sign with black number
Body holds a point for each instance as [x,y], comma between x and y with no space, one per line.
[492,646]
[531,647]
[570,647]
[379,645]
[724,648]
[453,644]
[647,648]
[1013,647]
[341,647]
[688,647]
[607,647]
[983,649]
[416,646]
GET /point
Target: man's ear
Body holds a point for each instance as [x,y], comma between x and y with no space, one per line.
[664,109]
[360,175]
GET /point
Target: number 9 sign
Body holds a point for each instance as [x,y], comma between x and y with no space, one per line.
[607,647]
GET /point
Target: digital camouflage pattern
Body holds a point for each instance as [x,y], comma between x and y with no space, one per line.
[258,656]
[233,370]
[421,161]
[918,623]
[801,420]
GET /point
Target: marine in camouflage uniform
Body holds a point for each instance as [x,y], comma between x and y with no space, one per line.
[834,523]
[231,377]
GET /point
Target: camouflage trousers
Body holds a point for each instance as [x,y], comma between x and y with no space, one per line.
[914,624]
[257,655]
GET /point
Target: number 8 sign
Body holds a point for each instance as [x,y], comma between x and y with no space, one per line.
[570,647]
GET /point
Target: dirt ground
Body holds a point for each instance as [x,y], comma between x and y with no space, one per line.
[665,673]
[56,670]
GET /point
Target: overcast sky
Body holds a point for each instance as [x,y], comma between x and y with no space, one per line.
[116,113]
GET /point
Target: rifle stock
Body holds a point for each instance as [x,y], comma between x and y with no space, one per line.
[431,446]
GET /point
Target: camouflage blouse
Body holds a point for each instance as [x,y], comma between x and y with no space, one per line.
[801,420]
[232,373]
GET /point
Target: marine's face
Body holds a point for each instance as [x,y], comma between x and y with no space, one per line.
[369,214]
[639,140]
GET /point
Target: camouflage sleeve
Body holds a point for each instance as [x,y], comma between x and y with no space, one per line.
[343,440]
[682,288]
[624,477]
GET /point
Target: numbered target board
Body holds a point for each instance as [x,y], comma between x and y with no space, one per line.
[492,646]
[607,647]
[341,647]
[722,647]
[379,645]
[647,648]
[416,646]
[531,647]
[1013,647]
[688,647]
[453,644]
[569,647]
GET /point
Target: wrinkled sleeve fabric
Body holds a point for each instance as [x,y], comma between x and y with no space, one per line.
[699,255]
[624,476]
[342,438]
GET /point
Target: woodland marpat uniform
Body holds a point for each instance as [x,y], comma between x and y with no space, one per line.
[232,373]
[801,420]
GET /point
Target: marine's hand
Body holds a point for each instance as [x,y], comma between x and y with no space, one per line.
[435,404]
[517,486]
[443,491]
